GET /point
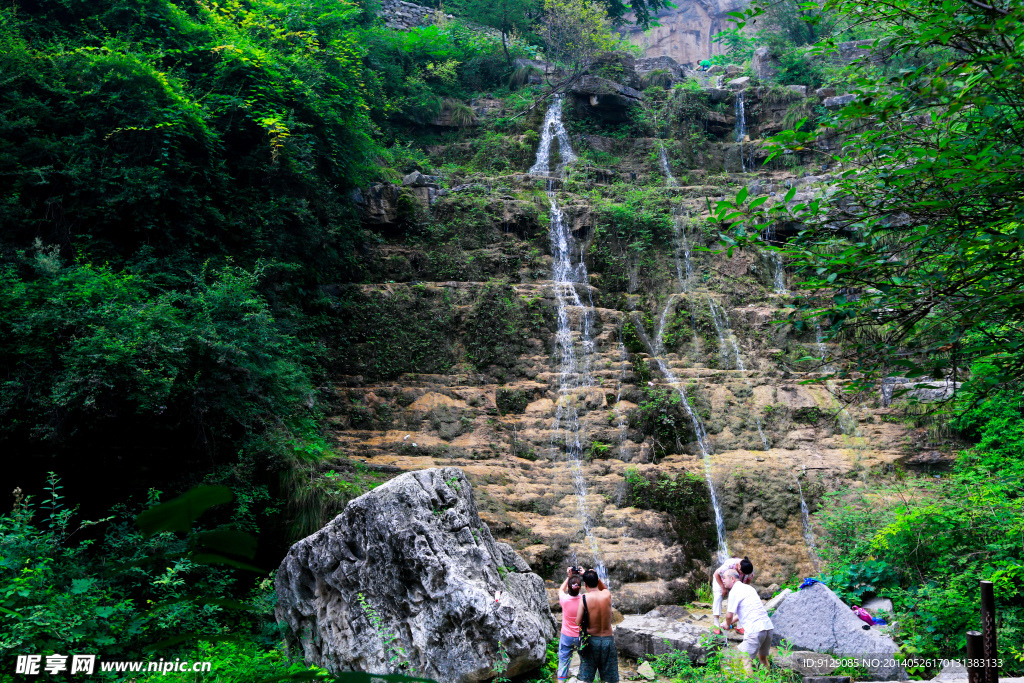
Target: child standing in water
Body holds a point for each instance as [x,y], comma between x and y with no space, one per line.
[745,568]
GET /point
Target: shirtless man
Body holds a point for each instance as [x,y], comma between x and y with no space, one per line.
[745,568]
[599,654]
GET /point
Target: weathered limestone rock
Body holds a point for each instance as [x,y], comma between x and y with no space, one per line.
[838,102]
[405,16]
[923,392]
[685,32]
[605,90]
[764,64]
[637,636]
[777,600]
[648,64]
[816,619]
[676,612]
[378,203]
[739,83]
[416,550]
[878,605]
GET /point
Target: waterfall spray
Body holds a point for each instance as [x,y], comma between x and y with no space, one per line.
[725,332]
[812,550]
[574,364]
[670,180]
[741,126]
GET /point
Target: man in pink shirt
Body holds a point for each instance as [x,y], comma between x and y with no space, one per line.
[569,640]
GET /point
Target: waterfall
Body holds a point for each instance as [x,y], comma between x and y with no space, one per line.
[724,325]
[620,418]
[775,263]
[812,550]
[552,128]
[719,328]
[741,126]
[822,351]
[702,437]
[670,180]
[660,330]
[682,244]
[574,364]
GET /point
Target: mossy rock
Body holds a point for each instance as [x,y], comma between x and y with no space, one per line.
[447,421]
[511,401]
[808,415]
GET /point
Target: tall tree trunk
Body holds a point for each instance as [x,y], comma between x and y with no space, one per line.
[504,46]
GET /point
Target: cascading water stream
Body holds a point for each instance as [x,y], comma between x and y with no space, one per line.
[812,550]
[574,364]
[775,263]
[684,269]
[670,180]
[552,129]
[725,332]
[698,428]
[620,419]
[741,126]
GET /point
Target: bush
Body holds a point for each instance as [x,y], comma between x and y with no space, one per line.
[926,543]
[121,591]
[97,360]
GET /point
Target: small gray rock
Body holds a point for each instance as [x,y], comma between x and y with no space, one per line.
[647,671]
[415,179]
[739,83]
[777,600]
[878,604]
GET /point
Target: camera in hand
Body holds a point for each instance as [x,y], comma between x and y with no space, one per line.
[576,570]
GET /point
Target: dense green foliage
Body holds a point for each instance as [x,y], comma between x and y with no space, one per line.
[685,498]
[719,668]
[91,354]
[918,268]
[926,543]
[165,132]
[116,591]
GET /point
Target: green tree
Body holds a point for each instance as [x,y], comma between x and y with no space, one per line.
[508,16]
[914,258]
[575,32]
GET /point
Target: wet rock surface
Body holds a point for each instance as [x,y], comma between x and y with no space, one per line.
[417,551]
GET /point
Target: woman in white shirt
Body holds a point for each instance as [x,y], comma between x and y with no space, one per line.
[742,566]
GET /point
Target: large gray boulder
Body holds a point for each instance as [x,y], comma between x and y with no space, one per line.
[416,550]
[814,618]
[764,64]
[643,635]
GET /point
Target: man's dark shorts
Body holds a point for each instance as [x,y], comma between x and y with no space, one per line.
[601,656]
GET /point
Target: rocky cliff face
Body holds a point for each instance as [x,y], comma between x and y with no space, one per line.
[452,357]
[685,32]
